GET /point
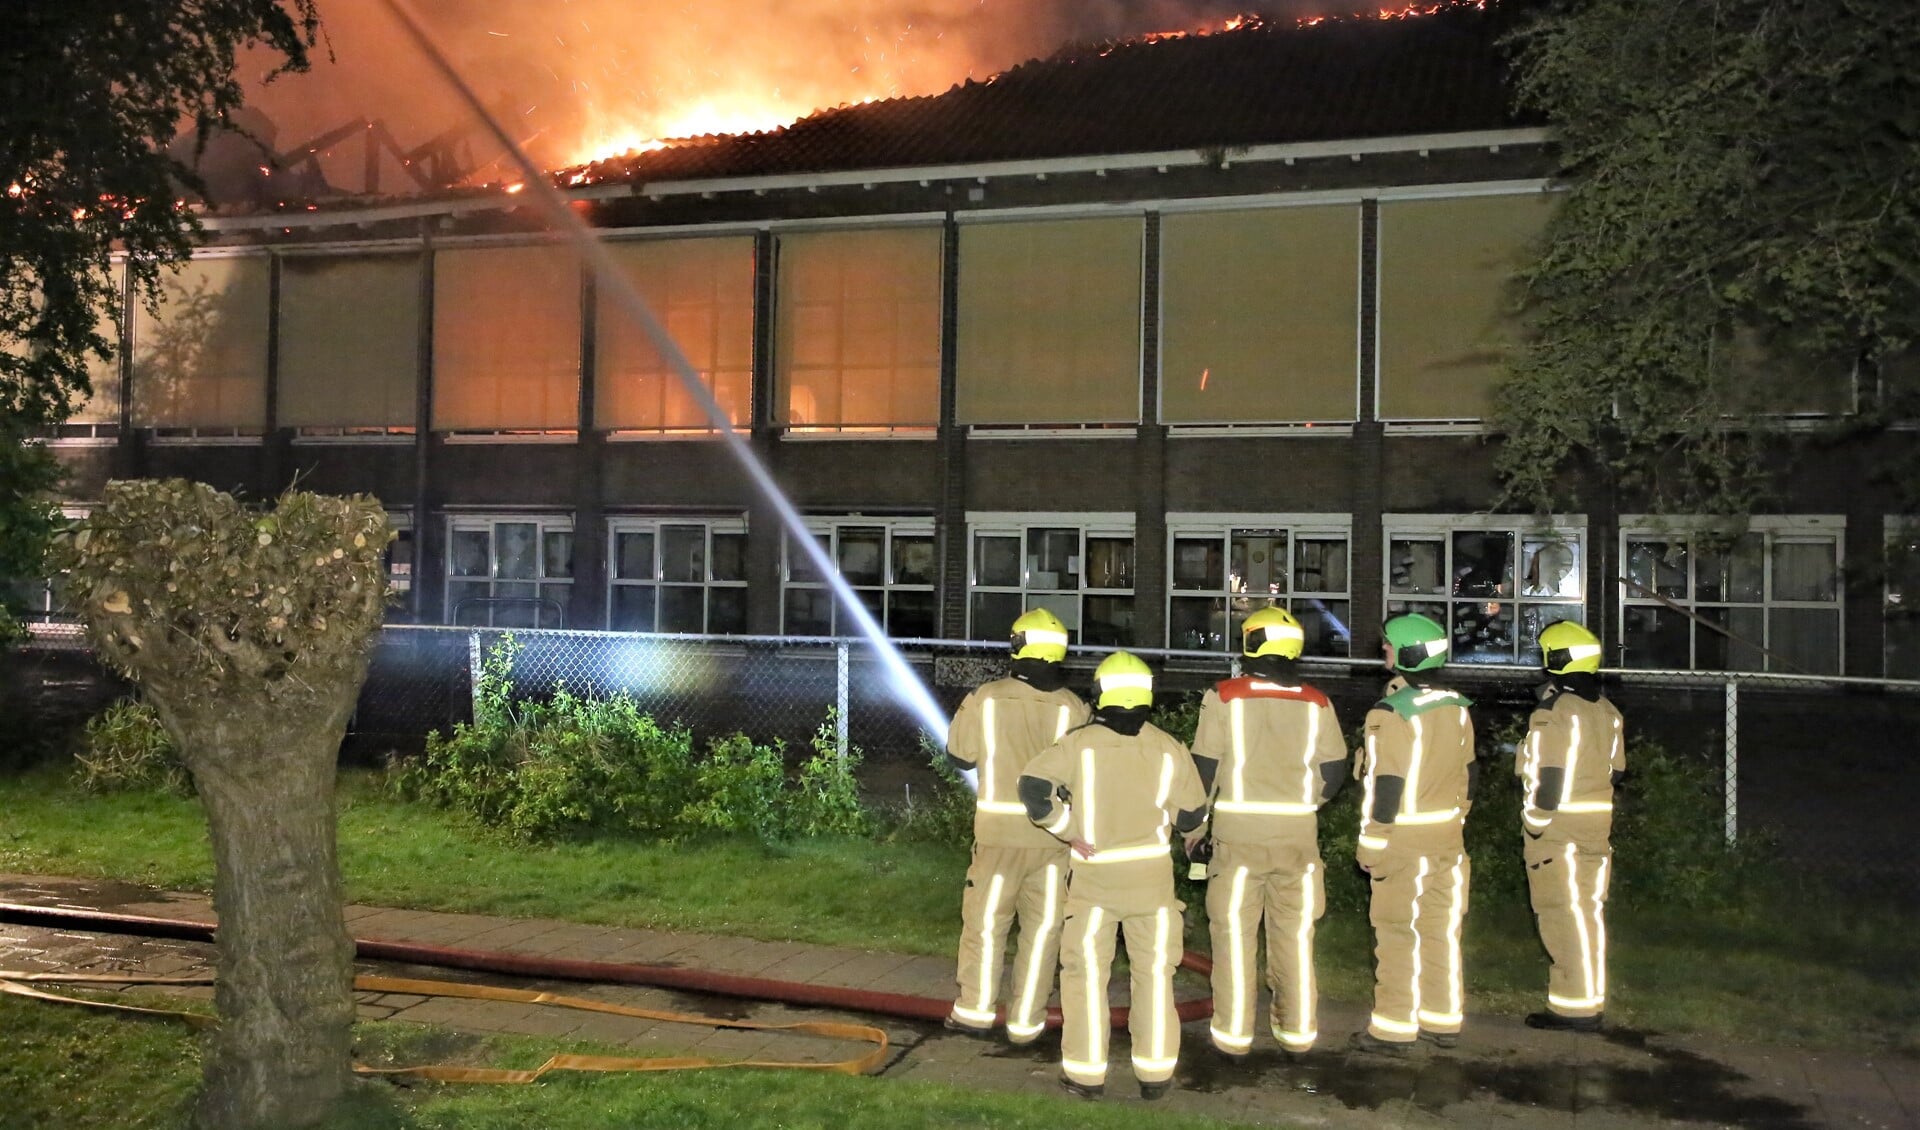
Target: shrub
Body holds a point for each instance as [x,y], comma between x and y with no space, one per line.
[126,749]
[826,800]
[942,814]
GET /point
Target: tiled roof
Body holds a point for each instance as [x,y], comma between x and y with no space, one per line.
[1260,85]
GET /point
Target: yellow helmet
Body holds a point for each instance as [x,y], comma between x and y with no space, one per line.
[1039,634]
[1124,680]
[1272,631]
[1567,648]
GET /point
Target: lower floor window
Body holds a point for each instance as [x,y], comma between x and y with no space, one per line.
[889,563]
[677,575]
[1080,571]
[509,572]
[1494,585]
[1222,570]
[1765,600]
[1902,600]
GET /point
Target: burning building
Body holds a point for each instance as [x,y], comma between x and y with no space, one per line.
[1148,333]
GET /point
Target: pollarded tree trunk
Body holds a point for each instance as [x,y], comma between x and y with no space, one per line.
[265,776]
[248,632]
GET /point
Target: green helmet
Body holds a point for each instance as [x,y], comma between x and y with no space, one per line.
[1272,631]
[1039,634]
[1567,648]
[1124,680]
[1418,643]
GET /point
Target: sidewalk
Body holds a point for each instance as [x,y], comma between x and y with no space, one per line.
[1502,1074]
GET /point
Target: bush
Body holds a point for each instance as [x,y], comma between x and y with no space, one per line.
[942,814]
[575,766]
[126,749]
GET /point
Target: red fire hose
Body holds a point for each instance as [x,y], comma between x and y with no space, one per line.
[560,969]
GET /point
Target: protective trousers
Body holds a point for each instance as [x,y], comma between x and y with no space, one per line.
[1003,883]
[1568,881]
[1137,898]
[1419,901]
[1283,885]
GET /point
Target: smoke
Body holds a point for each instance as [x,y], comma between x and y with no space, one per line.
[575,79]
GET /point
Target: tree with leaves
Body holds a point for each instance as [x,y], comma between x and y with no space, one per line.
[92,92]
[1740,235]
[249,632]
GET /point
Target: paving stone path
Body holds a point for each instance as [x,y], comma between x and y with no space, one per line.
[1501,1075]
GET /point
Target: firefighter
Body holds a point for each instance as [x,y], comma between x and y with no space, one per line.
[1017,869]
[1115,790]
[1573,758]
[1270,752]
[1418,768]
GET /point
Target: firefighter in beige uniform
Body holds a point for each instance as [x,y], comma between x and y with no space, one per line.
[1573,757]
[1116,790]
[1017,869]
[1270,751]
[1418,768]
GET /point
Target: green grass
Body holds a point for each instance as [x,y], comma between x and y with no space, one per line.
[78,1070]
[1771,969]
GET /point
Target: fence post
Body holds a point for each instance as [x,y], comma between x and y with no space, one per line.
[473,674]
[840,702]
[1732,781]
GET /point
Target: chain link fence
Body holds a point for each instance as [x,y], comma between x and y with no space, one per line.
[1819,766]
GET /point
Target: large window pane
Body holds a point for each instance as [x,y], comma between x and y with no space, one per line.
[506,338]
[994,614]
[633,608]
[1445,306]
[1320,565]
[1260,315]
[857,324]
[1550,567]
[1483,632]
[729,557]
[633,556]
[912,615]
[1731,639]
[1109,563]
[702,291]
[1049,322]
[1197,564]
[1417,566]
[202,361]
[726,609]
[517,546]
[472,553]
[1053,559]
[1735,573]
[1805,639]
[557,553]
[682,608]
[683,556]
[1483,564]
[1805,570]
[349,341]
[1327,625]
[913,559]
[1657,568]
[863,554]
[1656,638]
[800,566]
[1197,623]
[809,612]
[997,561]
[1258,562]
[1109,621]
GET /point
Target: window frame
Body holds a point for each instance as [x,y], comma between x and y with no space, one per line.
[1572,528]
[831,527]
[1089,525]
[655,524]
[1790,528]
[1222,528]
[1895,529]
[544,523]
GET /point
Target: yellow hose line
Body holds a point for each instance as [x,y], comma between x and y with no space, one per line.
[21,984]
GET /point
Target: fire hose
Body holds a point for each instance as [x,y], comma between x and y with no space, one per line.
[872,1002]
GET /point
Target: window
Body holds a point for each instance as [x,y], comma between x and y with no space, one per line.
[889,562]
[1223,568]
[349,355]
[96,418]
[509,572]
[1049,322]
[1444,307]
[1902,599]
[1079,566]
[200,364]
[1494,582]
[400,558]
[677,575]
[857,330]
[1766,600]
[506,340]
[36,602]
[1261,316]
[702,292]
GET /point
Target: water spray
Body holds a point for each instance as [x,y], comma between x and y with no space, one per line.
[541,192]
